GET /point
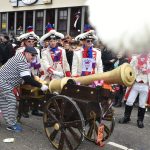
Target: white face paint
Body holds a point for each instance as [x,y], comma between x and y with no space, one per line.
[122,24]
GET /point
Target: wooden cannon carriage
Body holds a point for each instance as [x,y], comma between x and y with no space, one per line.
[74,111]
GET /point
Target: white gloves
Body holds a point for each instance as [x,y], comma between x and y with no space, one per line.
[57,73]
[44,87]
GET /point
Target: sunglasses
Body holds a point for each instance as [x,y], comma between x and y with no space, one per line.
[30,41]
[33,55]
[88,41]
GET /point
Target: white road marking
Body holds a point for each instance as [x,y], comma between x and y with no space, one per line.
[119,146]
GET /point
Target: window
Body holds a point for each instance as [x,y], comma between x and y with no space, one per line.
[11,18]
[75,21]
[86,21]
[39,22]
[19,22]
[29,19]
[62,20]
[50,17]
[4,22]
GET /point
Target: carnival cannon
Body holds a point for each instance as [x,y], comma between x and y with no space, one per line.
[73,110]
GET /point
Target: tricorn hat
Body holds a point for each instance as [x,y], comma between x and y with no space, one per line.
[29,35]
[87,35]
[52,34]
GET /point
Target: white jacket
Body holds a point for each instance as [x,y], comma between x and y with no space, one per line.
[47,62]
[140,76]
[77,62]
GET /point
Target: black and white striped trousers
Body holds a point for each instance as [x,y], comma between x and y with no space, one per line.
[7,103]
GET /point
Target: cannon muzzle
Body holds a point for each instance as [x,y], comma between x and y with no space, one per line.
[123,75]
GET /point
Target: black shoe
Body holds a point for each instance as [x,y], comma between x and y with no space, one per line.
[25,115]
[124,120]
[140,124]
[37,113]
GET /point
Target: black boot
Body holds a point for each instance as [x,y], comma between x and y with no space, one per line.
[141,113]
[127,114]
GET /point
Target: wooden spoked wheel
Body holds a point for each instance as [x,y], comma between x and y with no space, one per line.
[63,123]
[92,124]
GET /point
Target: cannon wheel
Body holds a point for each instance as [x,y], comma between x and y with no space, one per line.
[92,124]
[63,123]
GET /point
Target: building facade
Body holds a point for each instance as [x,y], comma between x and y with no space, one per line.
[67,16]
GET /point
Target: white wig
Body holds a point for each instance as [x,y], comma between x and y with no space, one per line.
[121,24]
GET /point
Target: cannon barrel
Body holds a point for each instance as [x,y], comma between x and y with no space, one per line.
[124,75]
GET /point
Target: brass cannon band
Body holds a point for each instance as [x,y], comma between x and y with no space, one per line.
[124,74]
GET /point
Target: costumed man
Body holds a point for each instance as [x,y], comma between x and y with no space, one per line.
[54,57]
[29,39]
[12,73]
[86,60]
[141,65]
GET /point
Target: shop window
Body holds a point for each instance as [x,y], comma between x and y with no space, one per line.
[19,23]
[29,19]
[4,22]
[39,22]
[62,20]
[75,21]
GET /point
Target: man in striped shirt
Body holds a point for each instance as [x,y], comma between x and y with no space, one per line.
[12,74]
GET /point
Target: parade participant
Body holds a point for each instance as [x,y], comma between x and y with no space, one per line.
[12,73]
[141,65]
[54,58]
[87,60]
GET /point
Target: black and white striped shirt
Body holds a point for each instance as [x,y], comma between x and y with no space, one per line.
[14,69]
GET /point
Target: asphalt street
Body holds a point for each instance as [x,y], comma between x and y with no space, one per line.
[124,137]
